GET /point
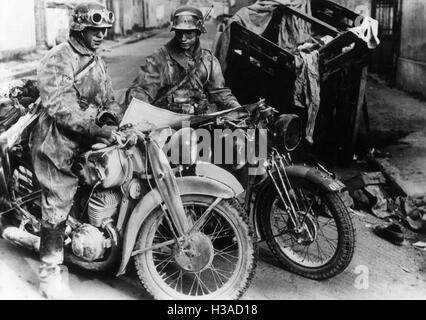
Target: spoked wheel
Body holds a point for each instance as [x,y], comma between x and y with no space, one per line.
[215,262]
[323,245]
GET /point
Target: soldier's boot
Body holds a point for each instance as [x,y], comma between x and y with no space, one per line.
[53,281]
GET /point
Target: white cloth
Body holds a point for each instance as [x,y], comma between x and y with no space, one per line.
[140,112]
[367,29]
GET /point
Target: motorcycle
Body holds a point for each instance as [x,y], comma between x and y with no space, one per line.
[187,236]
[297,209]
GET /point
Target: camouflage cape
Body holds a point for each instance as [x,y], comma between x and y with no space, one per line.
[169,66]
[63,131]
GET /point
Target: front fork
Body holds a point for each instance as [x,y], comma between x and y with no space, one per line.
[297,212]
[166,184]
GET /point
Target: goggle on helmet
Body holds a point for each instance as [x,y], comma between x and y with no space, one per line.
[100,18]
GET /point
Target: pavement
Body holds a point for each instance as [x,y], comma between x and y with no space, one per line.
[400,119]
[379,269]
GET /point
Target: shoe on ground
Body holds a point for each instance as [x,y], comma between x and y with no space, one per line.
[392,233]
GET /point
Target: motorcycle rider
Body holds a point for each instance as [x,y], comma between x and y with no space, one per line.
[76,95]
[181,76]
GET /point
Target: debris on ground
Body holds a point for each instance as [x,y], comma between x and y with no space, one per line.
[405,269]
[420,245]
[377,189]
[415,209]
[381,194]
[368,194]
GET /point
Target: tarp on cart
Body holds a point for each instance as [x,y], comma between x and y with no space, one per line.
[294,33]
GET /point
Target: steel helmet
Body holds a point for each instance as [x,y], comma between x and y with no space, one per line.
[91,14]
[188,18]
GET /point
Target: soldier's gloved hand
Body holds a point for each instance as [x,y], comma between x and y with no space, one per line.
[104,134]
[116,110]
[106,118]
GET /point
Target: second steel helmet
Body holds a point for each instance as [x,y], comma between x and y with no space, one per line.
[91,14]
[188,18]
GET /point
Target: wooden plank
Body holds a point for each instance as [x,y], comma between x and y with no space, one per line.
[338,12]
[360,102]
[332,30]
[366,116]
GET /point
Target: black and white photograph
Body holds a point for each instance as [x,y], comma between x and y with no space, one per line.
[252,150]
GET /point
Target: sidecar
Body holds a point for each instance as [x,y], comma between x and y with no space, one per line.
[17,183]
[256,66]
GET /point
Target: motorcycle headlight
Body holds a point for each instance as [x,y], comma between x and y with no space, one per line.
[287,132]
[183,147]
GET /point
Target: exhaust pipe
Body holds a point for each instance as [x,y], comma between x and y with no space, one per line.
[22,238]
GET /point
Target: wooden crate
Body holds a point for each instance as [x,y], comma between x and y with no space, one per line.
[258,68]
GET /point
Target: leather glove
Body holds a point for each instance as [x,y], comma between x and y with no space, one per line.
[104,134]
[106,118]
[116,110]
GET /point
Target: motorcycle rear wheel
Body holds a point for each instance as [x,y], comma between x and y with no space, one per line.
[230,270]
[328,220]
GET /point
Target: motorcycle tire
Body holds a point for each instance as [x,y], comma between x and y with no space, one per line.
[283,244]
[233,252]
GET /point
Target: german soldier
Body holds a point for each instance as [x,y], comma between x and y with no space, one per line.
[181,76]
[76,93]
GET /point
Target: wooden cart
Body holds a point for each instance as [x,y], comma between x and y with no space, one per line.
[258,68]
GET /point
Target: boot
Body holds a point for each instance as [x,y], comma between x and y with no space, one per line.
[53,281]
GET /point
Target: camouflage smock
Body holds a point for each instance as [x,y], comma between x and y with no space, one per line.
[167,68]
[63,130]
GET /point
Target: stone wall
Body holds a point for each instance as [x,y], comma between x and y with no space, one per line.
[411,71]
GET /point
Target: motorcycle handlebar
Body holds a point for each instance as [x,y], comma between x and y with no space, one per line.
[128,136]
[258,111]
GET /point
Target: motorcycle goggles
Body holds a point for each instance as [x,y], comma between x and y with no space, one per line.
[97,17]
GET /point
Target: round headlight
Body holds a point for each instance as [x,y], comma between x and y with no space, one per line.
[288,132]
[183,147]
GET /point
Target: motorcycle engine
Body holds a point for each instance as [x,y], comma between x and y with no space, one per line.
[88,241]
[103,205]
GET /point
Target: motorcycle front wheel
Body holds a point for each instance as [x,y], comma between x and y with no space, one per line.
[218,262]
[324,244]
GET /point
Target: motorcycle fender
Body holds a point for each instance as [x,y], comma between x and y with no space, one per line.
[187,185]
[324,180]
[320,178]
[211,171]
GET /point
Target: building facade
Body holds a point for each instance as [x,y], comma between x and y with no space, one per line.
[411,62]
[158,13]
[17,27]
[28,24]
[401,56]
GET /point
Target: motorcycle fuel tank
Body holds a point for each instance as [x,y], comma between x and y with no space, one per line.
[111,166]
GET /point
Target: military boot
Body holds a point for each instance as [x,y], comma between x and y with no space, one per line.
[53,279]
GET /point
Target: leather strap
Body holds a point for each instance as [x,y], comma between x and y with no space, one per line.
[188,77]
